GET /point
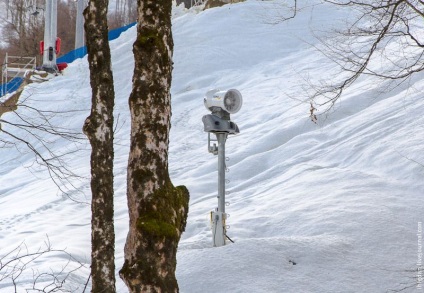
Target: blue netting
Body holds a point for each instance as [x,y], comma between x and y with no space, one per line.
[81,52]
[72,55]
[69,57]
[115,33]
[11,86]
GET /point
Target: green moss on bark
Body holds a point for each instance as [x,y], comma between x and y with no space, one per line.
[164,214]
[160,225]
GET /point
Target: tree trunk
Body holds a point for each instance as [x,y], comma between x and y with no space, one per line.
[99,129]
[157,209]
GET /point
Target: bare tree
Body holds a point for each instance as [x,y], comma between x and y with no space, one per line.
[386,30]
[21,31]
[29,129]
[379,32]
[66,22]
[125,13]
[16,262]
[157,209]
[99,129]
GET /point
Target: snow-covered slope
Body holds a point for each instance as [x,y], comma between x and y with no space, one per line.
[327,207]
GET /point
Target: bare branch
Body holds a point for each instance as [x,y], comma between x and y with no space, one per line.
[388,30]
[15,262]
[34,129]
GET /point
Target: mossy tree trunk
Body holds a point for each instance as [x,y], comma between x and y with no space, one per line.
[157,209]
[99,129]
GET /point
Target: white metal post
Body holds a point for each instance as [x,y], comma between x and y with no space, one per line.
[50,36]
[79,28]
[4,76]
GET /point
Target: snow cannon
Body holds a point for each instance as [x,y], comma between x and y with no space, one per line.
[221,104]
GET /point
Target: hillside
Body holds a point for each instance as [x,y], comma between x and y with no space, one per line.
[327,207]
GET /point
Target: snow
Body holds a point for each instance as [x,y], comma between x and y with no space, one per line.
[327,207]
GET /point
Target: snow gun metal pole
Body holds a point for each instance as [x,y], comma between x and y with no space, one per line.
[222,138]
[221,104]
[219,216]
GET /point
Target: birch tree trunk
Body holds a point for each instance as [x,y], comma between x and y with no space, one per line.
[157,209]
[99,129]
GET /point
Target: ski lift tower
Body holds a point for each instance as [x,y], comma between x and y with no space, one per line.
[51,45]
[79,25]
[221,104]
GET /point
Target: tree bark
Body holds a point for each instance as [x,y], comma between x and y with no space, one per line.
[157,209]
[99,129]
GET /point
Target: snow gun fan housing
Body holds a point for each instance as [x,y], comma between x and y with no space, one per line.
[221,104]
[229,101]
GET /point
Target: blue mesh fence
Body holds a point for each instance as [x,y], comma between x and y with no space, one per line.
[11,86]
[69,57]
[81,52]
